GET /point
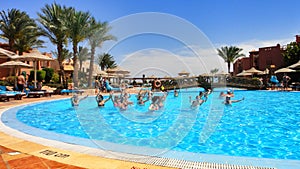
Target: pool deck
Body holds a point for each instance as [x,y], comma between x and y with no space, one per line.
[17,153]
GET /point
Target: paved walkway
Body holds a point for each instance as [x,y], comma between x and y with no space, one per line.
[21,154]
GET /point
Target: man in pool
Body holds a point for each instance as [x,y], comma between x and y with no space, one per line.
[228,100]
[75,99]
[100,100]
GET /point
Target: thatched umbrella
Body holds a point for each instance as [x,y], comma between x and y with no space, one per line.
[244,73]
[34,56]
[15,65]
[295,66]
[284,70]
[183,73]
[253,71]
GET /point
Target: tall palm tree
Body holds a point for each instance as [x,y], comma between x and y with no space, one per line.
[54,27]
[28,41]
[106,61]
[229,54]
[83,55]
[97,37]
[20,30]
[78,28]
[65,54]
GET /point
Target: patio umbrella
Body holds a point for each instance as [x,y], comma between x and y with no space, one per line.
[6,53]
[15,65]
[295,66]
[222,73]
[284,70]
[183,73]
[207,74]
[34,56]
[244,73]
[253,71]
[117,70]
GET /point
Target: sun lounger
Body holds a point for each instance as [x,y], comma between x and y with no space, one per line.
[35,93]
[68,91]
[6,95]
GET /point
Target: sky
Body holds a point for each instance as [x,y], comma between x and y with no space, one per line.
[165,37]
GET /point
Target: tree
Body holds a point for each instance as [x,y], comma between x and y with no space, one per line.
[292,53]
[20,30]
[214,71]
[54,27]
[83,55]
[78,28]
[230,54]
[106,61]
[98,36]
[65,54]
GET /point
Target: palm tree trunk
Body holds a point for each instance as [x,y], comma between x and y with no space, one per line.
[91,66]
[75,65]
[61,66]
[80,65]
[228,66]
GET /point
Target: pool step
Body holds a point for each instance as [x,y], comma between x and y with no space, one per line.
[184,164]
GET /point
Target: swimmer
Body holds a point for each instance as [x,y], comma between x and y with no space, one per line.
[175,93]
[75,99]
[228,97]
[158,102]
[100,100]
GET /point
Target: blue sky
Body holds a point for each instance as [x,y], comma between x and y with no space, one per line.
[247,24]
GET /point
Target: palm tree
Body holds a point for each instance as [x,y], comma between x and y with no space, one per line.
[65,54]
[53,27]
[106,61]
[28,41]
[20,30]
[83,55]
[78,28]
[97,37]
[229,54]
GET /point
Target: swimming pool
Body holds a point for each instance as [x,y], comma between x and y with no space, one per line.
[265,125]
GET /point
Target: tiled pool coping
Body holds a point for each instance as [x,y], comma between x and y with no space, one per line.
[10,125]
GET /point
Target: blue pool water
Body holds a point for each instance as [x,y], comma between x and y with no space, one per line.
[266,124]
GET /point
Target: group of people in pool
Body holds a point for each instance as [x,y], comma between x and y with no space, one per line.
[157,101]
[200,98]
[122,101]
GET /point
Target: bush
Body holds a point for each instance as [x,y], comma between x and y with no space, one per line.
[40,75]
[49,74]
[10,80]
[55,78]
[5,83]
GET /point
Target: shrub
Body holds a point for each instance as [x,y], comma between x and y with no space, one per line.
[55,78]
[40,75]
[49,74]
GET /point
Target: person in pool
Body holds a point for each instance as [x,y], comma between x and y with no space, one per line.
[158,102]
[141,100]
[175,93]
[197,102]
[100,100]
[228,97]
[75,99]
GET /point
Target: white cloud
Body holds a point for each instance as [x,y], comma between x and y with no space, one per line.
[194,59]
[160,62]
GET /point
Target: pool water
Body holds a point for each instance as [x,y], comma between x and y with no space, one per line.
[266,124]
